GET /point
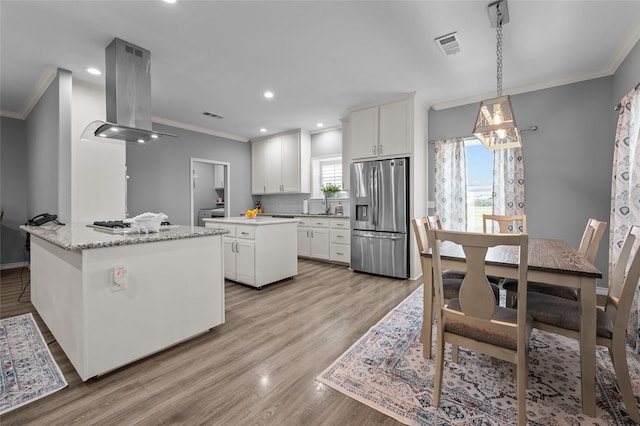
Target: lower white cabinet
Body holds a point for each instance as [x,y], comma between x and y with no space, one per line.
[258,254]
[324,238]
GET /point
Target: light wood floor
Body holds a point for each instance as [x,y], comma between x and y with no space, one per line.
[258,368]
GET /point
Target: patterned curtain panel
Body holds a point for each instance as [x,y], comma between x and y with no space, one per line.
[451,184]
[625,194]
[508,182]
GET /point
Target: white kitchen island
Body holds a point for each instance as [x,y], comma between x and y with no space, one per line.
[258,251]
[170,288]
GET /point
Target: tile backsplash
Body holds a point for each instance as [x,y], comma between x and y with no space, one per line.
[292,203]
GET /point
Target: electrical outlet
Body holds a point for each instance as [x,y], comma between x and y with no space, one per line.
[119,278]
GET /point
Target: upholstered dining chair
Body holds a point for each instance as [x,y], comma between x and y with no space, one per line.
[473,320]
[507,224]
[562,316]
[588,249]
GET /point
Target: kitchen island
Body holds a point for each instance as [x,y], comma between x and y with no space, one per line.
[258,251]
[110,299]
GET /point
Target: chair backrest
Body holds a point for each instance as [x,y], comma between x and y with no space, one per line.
[506,223]
[623,283]
[434,222]
[476,295]
[591,239]
[420,231]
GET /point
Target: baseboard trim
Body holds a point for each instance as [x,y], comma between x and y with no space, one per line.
[14,265]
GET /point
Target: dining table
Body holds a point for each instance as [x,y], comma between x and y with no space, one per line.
[549,261]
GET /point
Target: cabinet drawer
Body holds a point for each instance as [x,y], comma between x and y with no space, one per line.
[340,236]
[340,253]
[230,228]
[339,223]
[247,232]
[302,222]
[319,222]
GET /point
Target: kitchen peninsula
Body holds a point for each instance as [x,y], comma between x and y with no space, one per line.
[260,250]
[110,299]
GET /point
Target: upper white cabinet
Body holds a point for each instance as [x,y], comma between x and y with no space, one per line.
[281,164]
[384,130]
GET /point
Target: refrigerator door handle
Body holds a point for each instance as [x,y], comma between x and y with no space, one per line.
[374,196]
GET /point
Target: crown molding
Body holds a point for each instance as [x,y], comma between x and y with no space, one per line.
[197,129]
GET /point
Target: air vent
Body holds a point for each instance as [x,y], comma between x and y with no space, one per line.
[449,44]
[213,115]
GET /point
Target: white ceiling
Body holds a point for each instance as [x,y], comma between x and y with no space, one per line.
[319,57]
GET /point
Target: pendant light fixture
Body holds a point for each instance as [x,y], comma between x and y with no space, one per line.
[496,124]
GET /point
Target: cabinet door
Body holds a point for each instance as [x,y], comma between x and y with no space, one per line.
[320,243]
[304,235]
[246,261]
[364,133]
[290,162]
[274,165]
[259,158]
[395,128]
[229,258]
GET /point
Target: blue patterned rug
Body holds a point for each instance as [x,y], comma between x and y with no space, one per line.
[386,371]
[29,372]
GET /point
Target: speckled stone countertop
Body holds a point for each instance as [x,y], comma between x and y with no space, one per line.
[257,221]
[80,237]
[332,216]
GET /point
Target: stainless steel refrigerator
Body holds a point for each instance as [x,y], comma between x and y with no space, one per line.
[379,217]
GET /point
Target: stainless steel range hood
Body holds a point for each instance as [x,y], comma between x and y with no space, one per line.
[128,93]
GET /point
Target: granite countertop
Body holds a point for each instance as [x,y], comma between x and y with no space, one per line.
[261,219]
[77,236]
[333,216]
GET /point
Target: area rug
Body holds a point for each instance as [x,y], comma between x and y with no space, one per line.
[29,371]
[386,371]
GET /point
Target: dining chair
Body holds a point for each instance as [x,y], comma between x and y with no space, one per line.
[562,316]
[507,224]
[588,249]
[473,320]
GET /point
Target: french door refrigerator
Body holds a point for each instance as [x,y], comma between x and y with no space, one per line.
[379,217]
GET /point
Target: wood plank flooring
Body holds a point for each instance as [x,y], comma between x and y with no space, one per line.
[258,368]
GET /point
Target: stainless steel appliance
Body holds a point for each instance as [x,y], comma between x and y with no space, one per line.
[379,217]
[209,213]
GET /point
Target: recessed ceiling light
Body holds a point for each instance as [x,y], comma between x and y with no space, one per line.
[263,130]
[169,1]
[94,71]
[320,125]
[268,94]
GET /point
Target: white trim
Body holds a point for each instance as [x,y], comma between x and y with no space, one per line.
[14,265]
[227,199]
[197,129]
[325,129]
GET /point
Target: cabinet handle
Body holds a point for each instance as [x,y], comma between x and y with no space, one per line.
[339,236]
[339,254]
[244,233]
[307,233]
[380,149]
[237,247]
[264,188]
[374,150]
[318,223]
[312,233]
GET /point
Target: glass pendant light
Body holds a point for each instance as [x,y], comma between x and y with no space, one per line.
[496,125]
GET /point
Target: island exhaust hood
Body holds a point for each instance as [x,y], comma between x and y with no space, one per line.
[128,93]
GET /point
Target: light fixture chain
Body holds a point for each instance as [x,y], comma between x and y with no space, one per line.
[499,49]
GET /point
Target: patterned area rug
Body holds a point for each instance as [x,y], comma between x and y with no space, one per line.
[29,372]
[386,371]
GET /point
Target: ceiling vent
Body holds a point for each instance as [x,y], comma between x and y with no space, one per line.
[449,44]
[213,115]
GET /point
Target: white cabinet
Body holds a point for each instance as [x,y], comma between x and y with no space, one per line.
[313,238]
[339,240]
[384,130]
[281,164]
[257,252]
[324,238]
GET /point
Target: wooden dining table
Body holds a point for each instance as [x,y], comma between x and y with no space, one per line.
[550,261]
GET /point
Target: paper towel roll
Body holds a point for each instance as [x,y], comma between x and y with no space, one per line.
[305,206]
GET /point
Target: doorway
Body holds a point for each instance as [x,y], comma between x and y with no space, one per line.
[209,189]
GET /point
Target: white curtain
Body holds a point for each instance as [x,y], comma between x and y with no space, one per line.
[508,182]
[625,193]
[450,189]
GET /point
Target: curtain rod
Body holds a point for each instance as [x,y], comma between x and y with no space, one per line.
[532,128]
[617,107]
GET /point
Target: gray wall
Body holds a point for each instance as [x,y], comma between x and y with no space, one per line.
[13,189]
[159,175]
[567,160]
[627,76]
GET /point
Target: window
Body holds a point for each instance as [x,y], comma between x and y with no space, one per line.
[479,183]
[325,170]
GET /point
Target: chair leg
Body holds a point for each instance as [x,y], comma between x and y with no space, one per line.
[511,298]
[454,353]
[437,385]
[618,354]
[522,378]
